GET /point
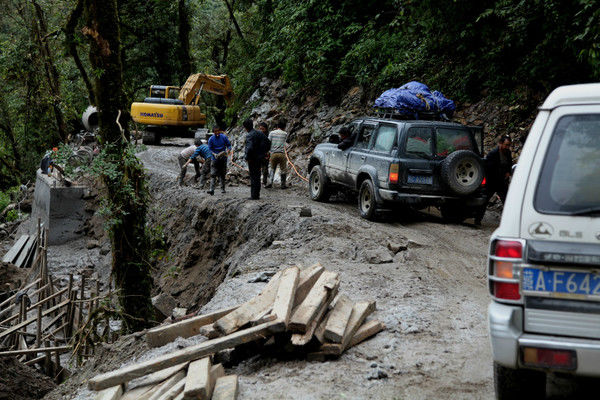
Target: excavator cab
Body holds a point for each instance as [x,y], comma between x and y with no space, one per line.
[164,92]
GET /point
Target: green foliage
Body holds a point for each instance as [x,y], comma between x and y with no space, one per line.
[587,23]
[12,215]
[7,197]
[460,47]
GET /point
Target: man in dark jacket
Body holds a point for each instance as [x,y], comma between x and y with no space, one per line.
[264,167]
[498,168]
[257,146]
[347,139]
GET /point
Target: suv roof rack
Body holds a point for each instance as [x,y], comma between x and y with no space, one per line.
[392,113]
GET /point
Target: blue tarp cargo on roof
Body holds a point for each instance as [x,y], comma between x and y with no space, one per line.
[413,98]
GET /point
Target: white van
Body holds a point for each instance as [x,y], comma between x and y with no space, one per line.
[544,258]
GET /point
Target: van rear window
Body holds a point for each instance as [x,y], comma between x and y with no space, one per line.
[570,178]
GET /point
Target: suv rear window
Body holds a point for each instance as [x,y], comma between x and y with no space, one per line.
[449,140]
[570,177]
[385,139]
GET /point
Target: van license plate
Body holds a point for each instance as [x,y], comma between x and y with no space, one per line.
[420,179]
[557,283]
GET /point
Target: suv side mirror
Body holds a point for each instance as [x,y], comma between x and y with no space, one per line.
[335,138]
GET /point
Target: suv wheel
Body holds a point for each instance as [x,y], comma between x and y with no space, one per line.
[515,384]
[317,187]
[366,200]
[462,172]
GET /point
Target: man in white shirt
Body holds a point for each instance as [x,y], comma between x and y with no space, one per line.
[278,139]
[182,159]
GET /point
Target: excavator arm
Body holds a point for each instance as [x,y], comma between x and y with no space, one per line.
[196,83]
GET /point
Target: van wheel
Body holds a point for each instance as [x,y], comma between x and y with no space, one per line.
[317,186]
[515,384]
[367,206]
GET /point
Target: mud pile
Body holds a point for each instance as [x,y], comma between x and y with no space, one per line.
[20,382]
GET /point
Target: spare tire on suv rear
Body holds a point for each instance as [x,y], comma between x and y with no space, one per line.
[462,171]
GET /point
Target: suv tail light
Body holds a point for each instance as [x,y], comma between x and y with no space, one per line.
[503,276]
[394,169]
[549,358]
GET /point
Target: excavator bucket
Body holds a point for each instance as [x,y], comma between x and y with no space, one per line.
[216,84]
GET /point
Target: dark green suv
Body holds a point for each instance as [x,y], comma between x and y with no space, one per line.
[417,163]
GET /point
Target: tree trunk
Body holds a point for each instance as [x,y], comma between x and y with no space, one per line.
[184,41]
[72,48]
[266,10]
[124,179]
[6,127]
[40,30]
[226,42]
[235,23]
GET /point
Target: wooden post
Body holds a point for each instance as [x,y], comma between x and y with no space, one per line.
[22,317]
[48,360]
[66,332]
[97,294]
[86,348]
[70,286]
[38,337]
[81,297]
[71,316]
[51,289]
[58,371]
[108,332]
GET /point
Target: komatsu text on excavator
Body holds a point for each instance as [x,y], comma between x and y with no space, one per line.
[172,111]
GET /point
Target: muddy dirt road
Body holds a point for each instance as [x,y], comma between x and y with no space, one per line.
[430,289]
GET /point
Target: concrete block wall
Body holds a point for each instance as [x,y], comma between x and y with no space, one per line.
[61,209]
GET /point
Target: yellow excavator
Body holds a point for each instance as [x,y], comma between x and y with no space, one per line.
[172,110]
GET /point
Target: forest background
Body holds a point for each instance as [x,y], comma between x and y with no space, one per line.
[503,49]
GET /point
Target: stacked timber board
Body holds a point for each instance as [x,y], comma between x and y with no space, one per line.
[23,252]
[301,307]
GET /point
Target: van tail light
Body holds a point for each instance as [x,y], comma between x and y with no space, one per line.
[508,249]
[483,181]
[394,169]
[504,280]
[507,290]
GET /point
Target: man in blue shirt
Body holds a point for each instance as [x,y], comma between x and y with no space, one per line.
[219,145]
[204,152]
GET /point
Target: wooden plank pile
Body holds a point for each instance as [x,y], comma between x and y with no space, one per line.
[39,321]
[23,253]
[302,308]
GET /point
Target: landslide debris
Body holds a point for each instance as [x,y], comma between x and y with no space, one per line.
[20,382]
